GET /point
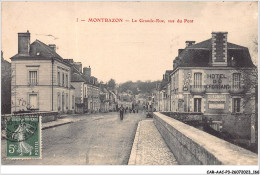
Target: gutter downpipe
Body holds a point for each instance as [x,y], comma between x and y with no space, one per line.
[52,61]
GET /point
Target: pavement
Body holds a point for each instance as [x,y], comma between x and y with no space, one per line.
[98,139]
[149,147]
[58,122]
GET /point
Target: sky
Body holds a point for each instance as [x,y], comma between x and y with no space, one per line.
[127,50]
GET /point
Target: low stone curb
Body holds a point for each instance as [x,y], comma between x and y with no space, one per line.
[51,126]
[132,159]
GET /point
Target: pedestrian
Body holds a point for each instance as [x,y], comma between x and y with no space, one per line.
[121,111]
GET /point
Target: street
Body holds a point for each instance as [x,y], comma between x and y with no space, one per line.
[98,139]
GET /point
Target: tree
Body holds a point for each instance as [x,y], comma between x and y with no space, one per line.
[111,84]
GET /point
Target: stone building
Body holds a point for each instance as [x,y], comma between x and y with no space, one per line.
[104,98]
[87,91]
[41,78]
[214,78]
[6,86]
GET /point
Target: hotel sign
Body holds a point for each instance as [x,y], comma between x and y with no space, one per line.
[217,97]
[217,101]
[217,81]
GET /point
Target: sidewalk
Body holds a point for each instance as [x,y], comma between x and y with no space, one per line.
[149,147]
[57,123]
[51,124]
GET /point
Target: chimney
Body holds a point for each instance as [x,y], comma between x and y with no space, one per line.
[71,61]
[78,66]
[219,48]
[53,46]
[189,43]
[24,43]
[179,51]
[87,71]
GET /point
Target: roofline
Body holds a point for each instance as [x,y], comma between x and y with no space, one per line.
[217,67]
[24,58]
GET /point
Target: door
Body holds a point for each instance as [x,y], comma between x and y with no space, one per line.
[63,102]
[197,104]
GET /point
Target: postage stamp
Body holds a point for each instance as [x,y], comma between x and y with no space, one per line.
[23,134]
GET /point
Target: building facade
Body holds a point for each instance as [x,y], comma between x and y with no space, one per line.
[215,79]
[41,79]
[6,86]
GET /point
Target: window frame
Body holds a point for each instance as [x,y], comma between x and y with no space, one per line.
[236,84]
[58,78]
[28,77]
[235,106]
[197,105]
[63,80]
[58,101]
[197,80]
[37,99]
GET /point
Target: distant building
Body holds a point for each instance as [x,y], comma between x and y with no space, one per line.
[104,98]
[87,90]
[6,86]
[41,79]
[113,101]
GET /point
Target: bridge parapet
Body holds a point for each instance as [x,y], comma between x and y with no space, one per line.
[185,116]
[192,146]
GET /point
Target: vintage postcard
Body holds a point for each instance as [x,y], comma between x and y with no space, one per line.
[130,83]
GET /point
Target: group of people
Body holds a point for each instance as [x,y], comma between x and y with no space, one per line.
[123,110]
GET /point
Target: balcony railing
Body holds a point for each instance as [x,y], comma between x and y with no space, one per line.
[197,89]
[236,89]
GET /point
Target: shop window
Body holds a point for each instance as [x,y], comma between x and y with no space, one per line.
[236,105]
[197,80]
[236,80]
[197,104]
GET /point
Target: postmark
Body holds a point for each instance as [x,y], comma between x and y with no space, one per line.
[23,134]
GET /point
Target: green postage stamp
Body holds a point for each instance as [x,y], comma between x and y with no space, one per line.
[23,134]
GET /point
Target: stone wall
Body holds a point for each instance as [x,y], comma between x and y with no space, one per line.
[192,146]
[234,123]
[46,117]
[184,116]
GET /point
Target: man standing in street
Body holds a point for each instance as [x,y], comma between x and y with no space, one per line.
[121,111]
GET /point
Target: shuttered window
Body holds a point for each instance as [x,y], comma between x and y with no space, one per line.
[236,105]
[63,79]
[67,81]
[73,101]
[236,80]
[67,101]
[33,79]
[197,80]
[33,102]
[58,78]
[197,104]
[58,101]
